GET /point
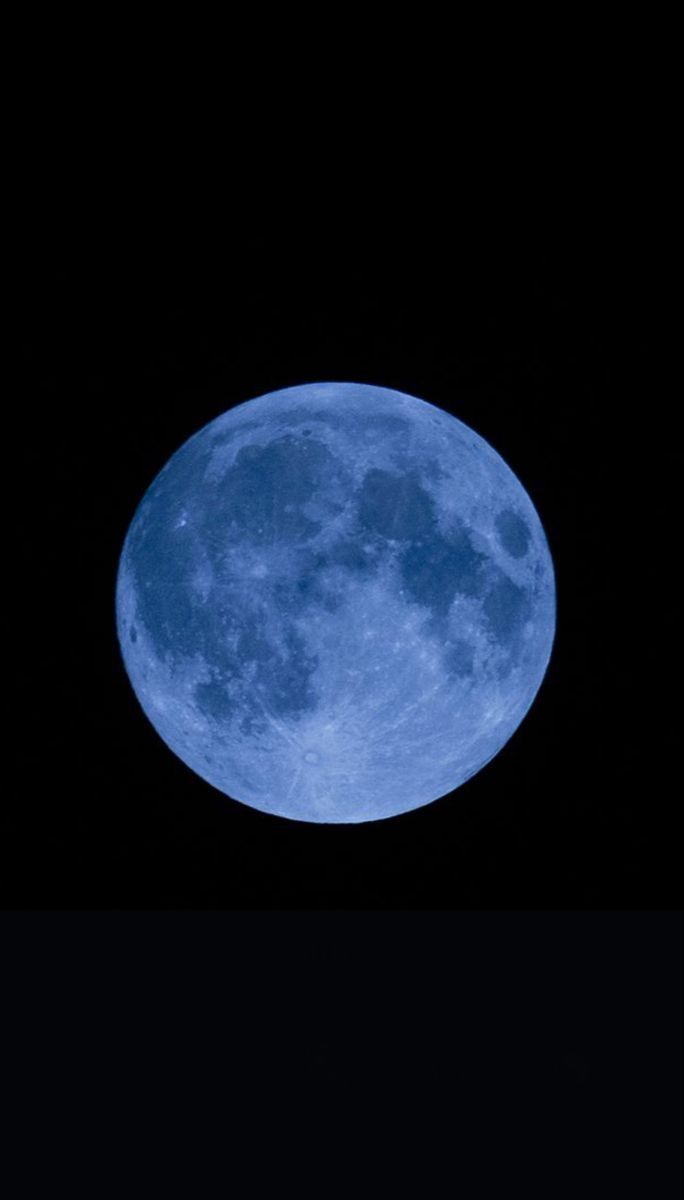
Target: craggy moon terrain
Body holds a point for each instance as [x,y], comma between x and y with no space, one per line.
[335,603]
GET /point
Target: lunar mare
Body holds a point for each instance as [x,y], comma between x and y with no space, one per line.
[335,603]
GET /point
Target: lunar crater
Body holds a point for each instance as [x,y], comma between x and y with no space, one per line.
[513,533]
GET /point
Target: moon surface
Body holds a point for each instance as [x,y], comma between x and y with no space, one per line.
[335,603]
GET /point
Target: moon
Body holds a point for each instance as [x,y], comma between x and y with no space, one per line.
[335,603]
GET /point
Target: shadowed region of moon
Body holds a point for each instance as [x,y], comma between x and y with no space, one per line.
[335,603]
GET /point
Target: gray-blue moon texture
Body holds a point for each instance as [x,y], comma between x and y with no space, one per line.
[335,603]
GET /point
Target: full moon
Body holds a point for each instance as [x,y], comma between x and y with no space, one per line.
[335,603]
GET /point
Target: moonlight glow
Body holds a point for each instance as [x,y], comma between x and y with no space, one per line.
[335,603]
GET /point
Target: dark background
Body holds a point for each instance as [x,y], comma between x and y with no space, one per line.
[545,1045]
[131,339]
[448,1050]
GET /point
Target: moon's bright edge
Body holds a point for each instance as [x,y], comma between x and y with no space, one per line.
[335,603]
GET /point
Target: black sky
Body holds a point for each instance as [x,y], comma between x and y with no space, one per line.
[543,1038]
[126,350]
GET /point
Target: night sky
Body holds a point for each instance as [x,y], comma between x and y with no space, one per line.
[126,351]
[491,967]
[477,1000]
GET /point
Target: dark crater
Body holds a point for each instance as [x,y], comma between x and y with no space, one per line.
[212,698]
[507,607]
[435,569]
[513,533]
[459,657]
[268,677]
[394,506]
[261,497]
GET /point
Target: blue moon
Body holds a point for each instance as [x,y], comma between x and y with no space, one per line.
[335,603]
